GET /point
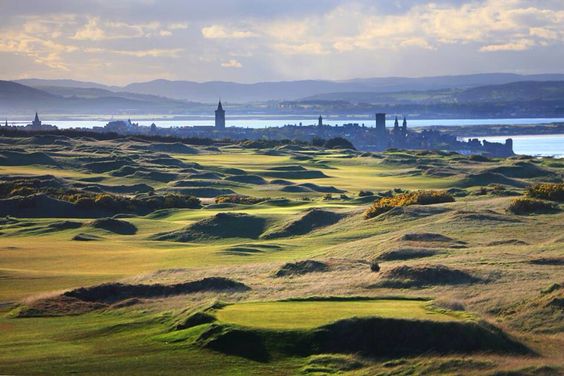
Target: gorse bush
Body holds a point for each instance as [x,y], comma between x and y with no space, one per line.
[547,191]
[238,199]
[405,199]
[525,205]
[365,193]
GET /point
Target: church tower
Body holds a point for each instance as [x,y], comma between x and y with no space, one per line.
[219,117]
[36,122]
[320,121]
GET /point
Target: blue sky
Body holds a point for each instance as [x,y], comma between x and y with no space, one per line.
[118,42]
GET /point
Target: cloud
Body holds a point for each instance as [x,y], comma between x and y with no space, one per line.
[519,45]
[311,48]
[232,63]
[178,26]
[97,30]
[173,52]
[220,32]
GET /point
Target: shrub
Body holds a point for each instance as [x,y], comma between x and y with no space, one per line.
[385,204]
[374,266]
[547,191]
[339,143]
[365,193]
[525,205]
[238,199]
[22,191]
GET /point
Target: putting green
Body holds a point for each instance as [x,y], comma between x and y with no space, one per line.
[311,314]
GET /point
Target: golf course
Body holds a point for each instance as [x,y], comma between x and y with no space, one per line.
[123,256]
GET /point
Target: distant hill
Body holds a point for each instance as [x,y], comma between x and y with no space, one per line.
[505,93]
[36,82]
[16,98]
[291,90]
[12,92]
[233,92]
[515,92]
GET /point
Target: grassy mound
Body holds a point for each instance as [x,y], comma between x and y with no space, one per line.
[426,237]
[557,261]
[118,189]
[247,179]
[382,327]
[58,306]
[176,148]
[321,188]
[207,175]
[295,189]
[222,225]
[406,254]
[281,182]
[522,170]
[487,178]
[159,176]
[506,242]
[106,166]
[301,267]
[117,226]
[15,158]
[86,237]
[297,173]
[425,275]
[288,168]
[114,292]
[64,225]
[312,220]
[412,212]
[250,249]
[206,192]
[481,216]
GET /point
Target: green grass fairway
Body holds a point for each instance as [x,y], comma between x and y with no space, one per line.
[311,314]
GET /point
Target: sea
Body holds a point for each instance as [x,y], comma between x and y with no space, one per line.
[538,145]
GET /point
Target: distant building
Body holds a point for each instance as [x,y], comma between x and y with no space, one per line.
[36,122]
[320,121]
[37,125]
[219,117]
[122,126]
[381,132]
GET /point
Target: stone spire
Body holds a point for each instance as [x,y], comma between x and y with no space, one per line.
[220,116]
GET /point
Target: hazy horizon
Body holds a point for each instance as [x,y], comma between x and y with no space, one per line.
[116,43]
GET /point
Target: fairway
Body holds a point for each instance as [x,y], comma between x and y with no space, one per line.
[311,314]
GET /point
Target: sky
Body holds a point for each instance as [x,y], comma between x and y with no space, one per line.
[122,41]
